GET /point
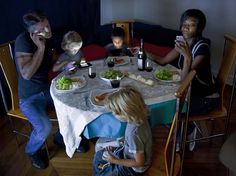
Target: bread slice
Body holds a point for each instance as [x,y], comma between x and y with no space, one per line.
[140,79]
[101,98]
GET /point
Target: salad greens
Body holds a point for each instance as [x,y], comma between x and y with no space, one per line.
[111,74]
[64,83]
[164,74]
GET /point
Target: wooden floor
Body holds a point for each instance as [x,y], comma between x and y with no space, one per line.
[13,161]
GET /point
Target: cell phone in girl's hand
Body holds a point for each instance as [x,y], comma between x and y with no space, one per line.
[179,38]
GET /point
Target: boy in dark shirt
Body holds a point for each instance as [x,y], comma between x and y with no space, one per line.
[118,47]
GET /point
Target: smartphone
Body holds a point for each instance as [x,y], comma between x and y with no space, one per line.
[84,65]
[41,34]
[179,38]
[116,52]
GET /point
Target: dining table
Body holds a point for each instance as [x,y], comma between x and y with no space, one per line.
[78,113]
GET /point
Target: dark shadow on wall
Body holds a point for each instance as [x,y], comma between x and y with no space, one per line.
[82,16]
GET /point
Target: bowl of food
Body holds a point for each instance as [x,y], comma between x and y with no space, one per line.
[110,74]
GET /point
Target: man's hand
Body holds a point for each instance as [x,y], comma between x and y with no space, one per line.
[39,41]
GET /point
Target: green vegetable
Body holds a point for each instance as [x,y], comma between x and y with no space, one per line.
[64,83]
[111,74]
[164,74]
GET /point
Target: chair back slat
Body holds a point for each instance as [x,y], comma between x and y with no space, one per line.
[168,148]
[229,57]
[182,94]
[9,70]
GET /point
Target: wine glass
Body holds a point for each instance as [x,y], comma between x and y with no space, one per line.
[92,72]
[148,66]
[111,62]
[134,50]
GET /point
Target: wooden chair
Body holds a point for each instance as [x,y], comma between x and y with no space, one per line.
[8,67]
[165,159]
[127,25]
[9,70]
[220,112]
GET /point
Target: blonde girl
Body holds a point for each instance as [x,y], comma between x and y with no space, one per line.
[134,157]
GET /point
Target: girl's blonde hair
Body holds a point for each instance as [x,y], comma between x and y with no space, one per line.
[128,102]
[70,37]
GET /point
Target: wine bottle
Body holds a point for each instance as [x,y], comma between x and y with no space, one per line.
[141,57]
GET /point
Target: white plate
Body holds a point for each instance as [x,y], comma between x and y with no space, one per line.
[75,84]
[97,92]
[175,78]
[121,60]
[108,80]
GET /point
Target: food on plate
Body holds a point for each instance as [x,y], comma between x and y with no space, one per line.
[176,77]
[76,79]
[111,74]
[77,82]
[118,60]
[64,83]
[140,79]
[164,74]
[101,98]
[167,75]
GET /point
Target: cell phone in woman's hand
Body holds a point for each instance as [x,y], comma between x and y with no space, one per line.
[179,38]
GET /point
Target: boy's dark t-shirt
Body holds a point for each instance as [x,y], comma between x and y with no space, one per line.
[39,81]
[66,57]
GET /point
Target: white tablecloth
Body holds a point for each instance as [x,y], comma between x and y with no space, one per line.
[75,110]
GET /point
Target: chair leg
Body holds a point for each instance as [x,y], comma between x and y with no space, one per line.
[230,106]
[3,98]
[184,129]
[30,126]
[16,133]
[198,129]
[205,131]
[13,130]
[212,129]
[47,150]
